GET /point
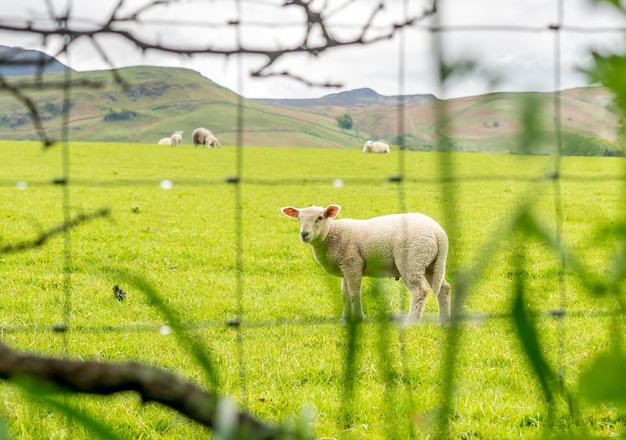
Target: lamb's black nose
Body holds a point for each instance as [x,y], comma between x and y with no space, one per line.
[304,235]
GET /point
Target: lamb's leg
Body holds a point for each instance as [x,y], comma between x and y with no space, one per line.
[443,297]
[352,307]
[443,300]
[419,293]
[347,306]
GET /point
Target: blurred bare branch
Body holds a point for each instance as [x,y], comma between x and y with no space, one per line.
[316,17]
[43,238]
[152,385]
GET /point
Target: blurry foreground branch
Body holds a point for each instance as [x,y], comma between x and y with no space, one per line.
[130,22]
[152,385]
[42,238]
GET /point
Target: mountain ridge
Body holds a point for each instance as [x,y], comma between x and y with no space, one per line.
[15,61]
[361,96]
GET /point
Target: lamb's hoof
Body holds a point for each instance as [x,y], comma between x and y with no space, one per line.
[444,322]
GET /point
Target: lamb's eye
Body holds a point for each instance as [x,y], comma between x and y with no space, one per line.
[320,218]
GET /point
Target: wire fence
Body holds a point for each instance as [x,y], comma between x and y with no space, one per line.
[564,315]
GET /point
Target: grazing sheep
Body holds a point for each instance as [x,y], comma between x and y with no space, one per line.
[177,138]
[375,147]
[202,136]
[211,141]
[165,141]
[409,246]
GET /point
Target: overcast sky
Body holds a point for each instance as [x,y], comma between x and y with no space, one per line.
[509,42]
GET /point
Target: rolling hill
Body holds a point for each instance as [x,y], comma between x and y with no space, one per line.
[151,102]
[490,123]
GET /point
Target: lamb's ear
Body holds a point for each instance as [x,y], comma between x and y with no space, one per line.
[290,211]
[332,211]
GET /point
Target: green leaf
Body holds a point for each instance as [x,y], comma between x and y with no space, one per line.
[605,381]
[616,3]
[530,342]
[4,434]
[611,72]
[185,337]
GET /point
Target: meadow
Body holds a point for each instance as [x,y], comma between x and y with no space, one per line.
[218,250]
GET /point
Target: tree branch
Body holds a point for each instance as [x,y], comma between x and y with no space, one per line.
[152,385]
[42,238]
[114,25]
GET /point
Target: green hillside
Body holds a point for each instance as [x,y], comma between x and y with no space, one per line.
[152,102]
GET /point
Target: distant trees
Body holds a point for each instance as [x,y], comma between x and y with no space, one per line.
[577,145]
[46,111]
[123,115]
[345,121]
[52,109]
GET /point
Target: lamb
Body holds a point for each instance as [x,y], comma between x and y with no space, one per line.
[203,136]
[410,246]
[375,147]
[211,141]
[165,141]
[177,138]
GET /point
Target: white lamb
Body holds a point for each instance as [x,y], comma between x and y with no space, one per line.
[375,147]
[211,141]
[409,246]
[165,141]
[177,138]
[203,136]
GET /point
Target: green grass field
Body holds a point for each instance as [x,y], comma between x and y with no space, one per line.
[288,358]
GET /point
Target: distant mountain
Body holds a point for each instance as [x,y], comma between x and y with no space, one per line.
[15,61]
[363,96]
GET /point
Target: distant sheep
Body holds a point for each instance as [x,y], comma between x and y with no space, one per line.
[177,138]
[203,136]
[165,141]
[409,246]
[375,147]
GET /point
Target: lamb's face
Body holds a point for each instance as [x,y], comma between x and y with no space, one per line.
[313,223]
[313,220]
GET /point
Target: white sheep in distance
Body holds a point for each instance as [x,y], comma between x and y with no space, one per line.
[375,147]
[410,246]
[177,138]
[165,141]
[203,136]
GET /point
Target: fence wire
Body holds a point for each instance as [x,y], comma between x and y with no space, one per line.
[564,315]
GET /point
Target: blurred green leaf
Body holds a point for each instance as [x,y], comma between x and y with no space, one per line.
[4,434]
[611,72]
[184,337]
[532,225]
[605,381]
[457,69]
[533,131]
[530,342]
[616,3]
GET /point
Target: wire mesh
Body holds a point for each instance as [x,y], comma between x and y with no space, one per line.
[564,315]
